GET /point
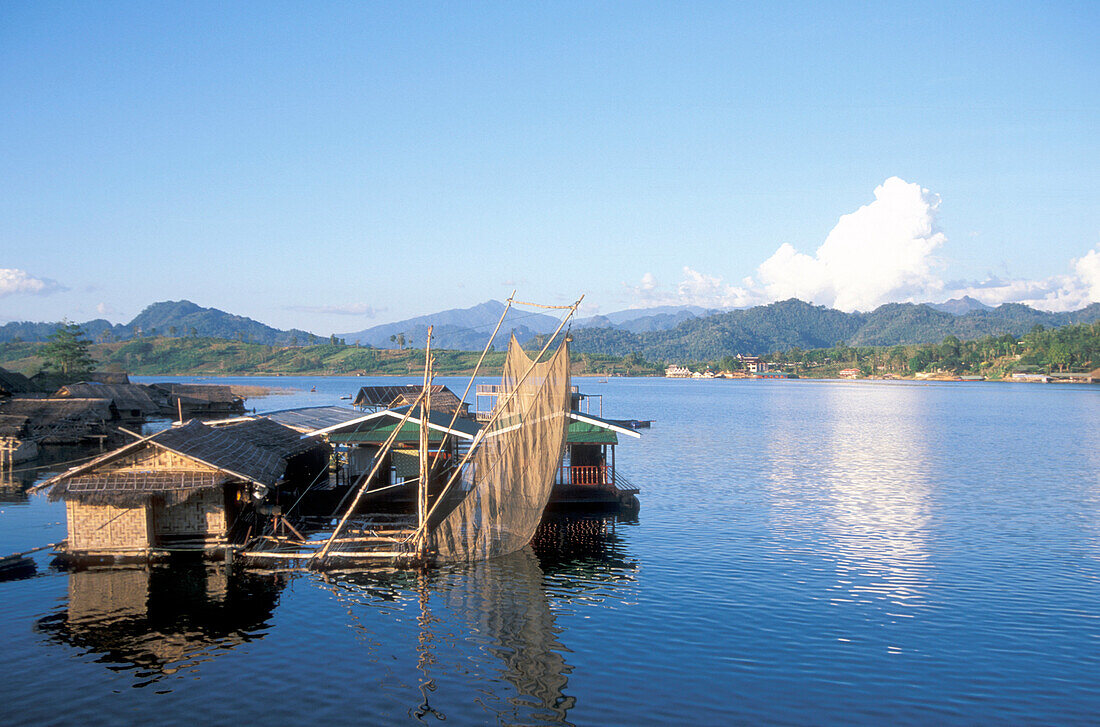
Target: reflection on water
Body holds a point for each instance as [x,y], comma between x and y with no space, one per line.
[489,623]
[162,620]
[879,492]
[807,553]
[473,642]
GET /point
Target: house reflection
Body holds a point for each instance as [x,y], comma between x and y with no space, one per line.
[163,619]
[485,624]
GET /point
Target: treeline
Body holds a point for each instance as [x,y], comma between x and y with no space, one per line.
[1046,350]
[794,324]
[214,356]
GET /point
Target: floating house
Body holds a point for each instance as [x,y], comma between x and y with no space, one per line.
[62,421]
[376,398]
[189,488]
[202,401]
[131,402]
[362,438]
[587,475]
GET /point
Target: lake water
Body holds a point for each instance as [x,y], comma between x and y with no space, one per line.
[806,553]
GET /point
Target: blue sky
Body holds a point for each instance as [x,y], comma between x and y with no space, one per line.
[335,166]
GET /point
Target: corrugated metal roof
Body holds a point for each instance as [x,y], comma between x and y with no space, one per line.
[312,418]
[437,422]
[376,428]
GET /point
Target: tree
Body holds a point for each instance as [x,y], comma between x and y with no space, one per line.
[401,340]
[67,350]
[172,331]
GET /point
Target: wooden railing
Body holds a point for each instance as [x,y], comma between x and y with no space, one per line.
[599,475]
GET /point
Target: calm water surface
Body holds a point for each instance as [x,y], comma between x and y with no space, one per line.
[806,553]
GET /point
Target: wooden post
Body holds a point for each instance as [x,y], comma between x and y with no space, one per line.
[380,457]
[425,412]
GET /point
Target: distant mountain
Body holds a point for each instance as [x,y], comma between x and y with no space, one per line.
[906,323]
[463,329]
[960,306]
[640,320]
[778,326]
[793,323]
[170,318]
[658,334]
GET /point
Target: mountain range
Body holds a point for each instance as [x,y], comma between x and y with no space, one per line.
[794,324]
[668,333]
[170,318]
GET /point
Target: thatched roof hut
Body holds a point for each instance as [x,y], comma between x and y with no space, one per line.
[108,377]
[14,383]
[61,421]
[182,487]
[132,401]
[388,397]
[197,399]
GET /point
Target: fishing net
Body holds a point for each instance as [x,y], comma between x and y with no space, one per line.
[513,467]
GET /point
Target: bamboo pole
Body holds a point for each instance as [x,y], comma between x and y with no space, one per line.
[425,412]
[500,408]
[366,482]
[484,351]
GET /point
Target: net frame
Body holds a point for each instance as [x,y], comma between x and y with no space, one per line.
[515,462]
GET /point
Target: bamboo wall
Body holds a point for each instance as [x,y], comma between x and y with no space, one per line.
[106,527]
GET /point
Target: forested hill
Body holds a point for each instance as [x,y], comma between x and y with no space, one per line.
[794,324]
[174,318]
[663,336]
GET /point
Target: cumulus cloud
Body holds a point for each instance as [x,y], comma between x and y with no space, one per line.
[696,288]
[14,282]
[105,309]
[884,252]
[1071,291]
[350,309]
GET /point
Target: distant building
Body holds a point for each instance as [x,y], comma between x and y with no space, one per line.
[1031,378]
[849,373]
[678,372]
[753,364]
[771,375]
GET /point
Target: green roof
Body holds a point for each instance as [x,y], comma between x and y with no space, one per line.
[585,433]
[376,428]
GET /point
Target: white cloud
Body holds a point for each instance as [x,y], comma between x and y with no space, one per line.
[350,309]
[696,288]
[1072,291]
[105,309]
[14,282]
[884,252]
